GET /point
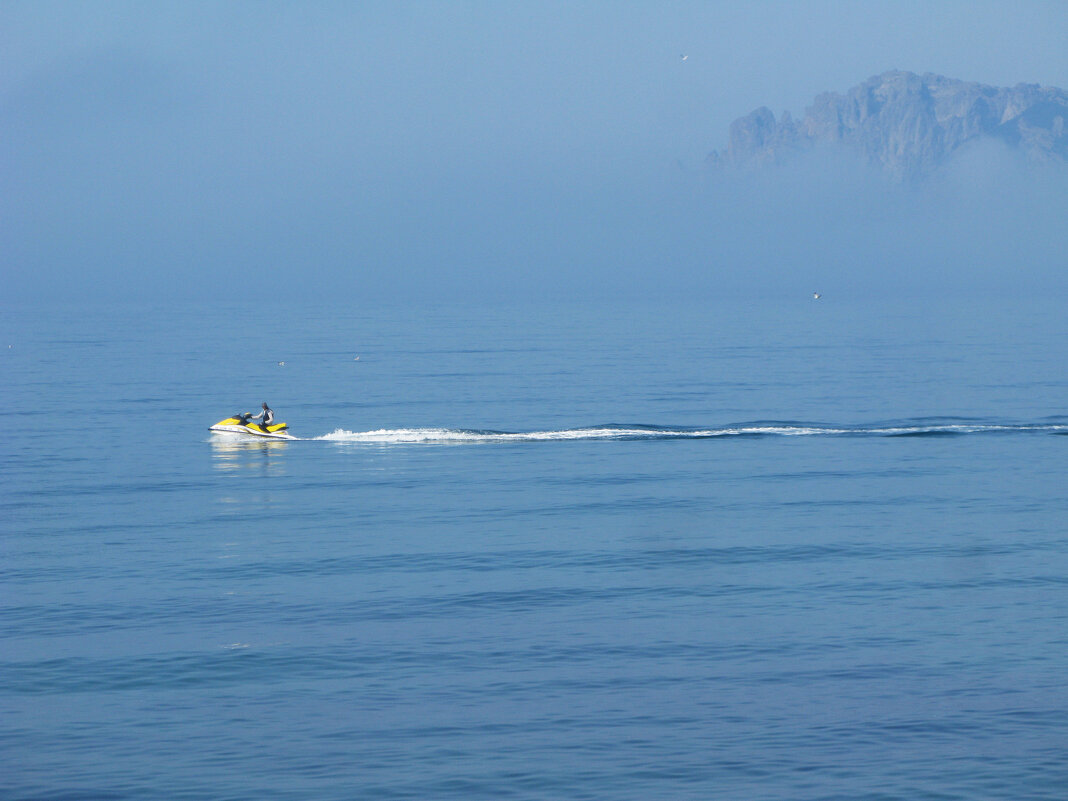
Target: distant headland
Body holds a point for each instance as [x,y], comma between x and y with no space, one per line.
[905,124]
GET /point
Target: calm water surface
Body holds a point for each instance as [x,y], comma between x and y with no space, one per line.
[784,551]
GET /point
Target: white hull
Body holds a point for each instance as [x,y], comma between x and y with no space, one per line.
[249,431]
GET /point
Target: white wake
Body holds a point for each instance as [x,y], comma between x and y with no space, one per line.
[414,436]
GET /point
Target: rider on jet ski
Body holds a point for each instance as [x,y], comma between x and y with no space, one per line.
[266,414]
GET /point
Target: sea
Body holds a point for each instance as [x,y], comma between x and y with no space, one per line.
[748,548]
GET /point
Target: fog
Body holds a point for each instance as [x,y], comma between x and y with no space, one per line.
[487,152]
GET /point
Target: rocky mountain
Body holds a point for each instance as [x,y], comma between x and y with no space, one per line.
[907,124]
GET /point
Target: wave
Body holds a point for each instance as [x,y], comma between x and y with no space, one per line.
[917,428]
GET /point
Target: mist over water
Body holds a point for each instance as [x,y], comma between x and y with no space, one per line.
[426,155]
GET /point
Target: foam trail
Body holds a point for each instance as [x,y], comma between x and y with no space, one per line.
[447,435]
[412,436]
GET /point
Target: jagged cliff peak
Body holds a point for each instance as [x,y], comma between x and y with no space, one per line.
[907,124]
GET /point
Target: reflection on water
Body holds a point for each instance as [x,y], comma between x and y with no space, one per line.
[237,452]
[246,458]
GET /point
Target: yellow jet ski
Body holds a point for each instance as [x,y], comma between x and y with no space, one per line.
[240,424]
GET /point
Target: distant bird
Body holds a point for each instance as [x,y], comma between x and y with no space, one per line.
[816,296]
[356,359]
[684,56]
[281,364]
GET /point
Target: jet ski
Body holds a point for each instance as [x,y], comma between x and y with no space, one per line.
[240,424]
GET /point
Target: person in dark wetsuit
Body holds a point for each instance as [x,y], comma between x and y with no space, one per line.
[267,415]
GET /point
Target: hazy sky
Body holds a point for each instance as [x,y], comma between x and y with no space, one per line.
[480,150]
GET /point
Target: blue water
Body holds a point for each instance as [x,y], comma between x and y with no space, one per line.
[775,550]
